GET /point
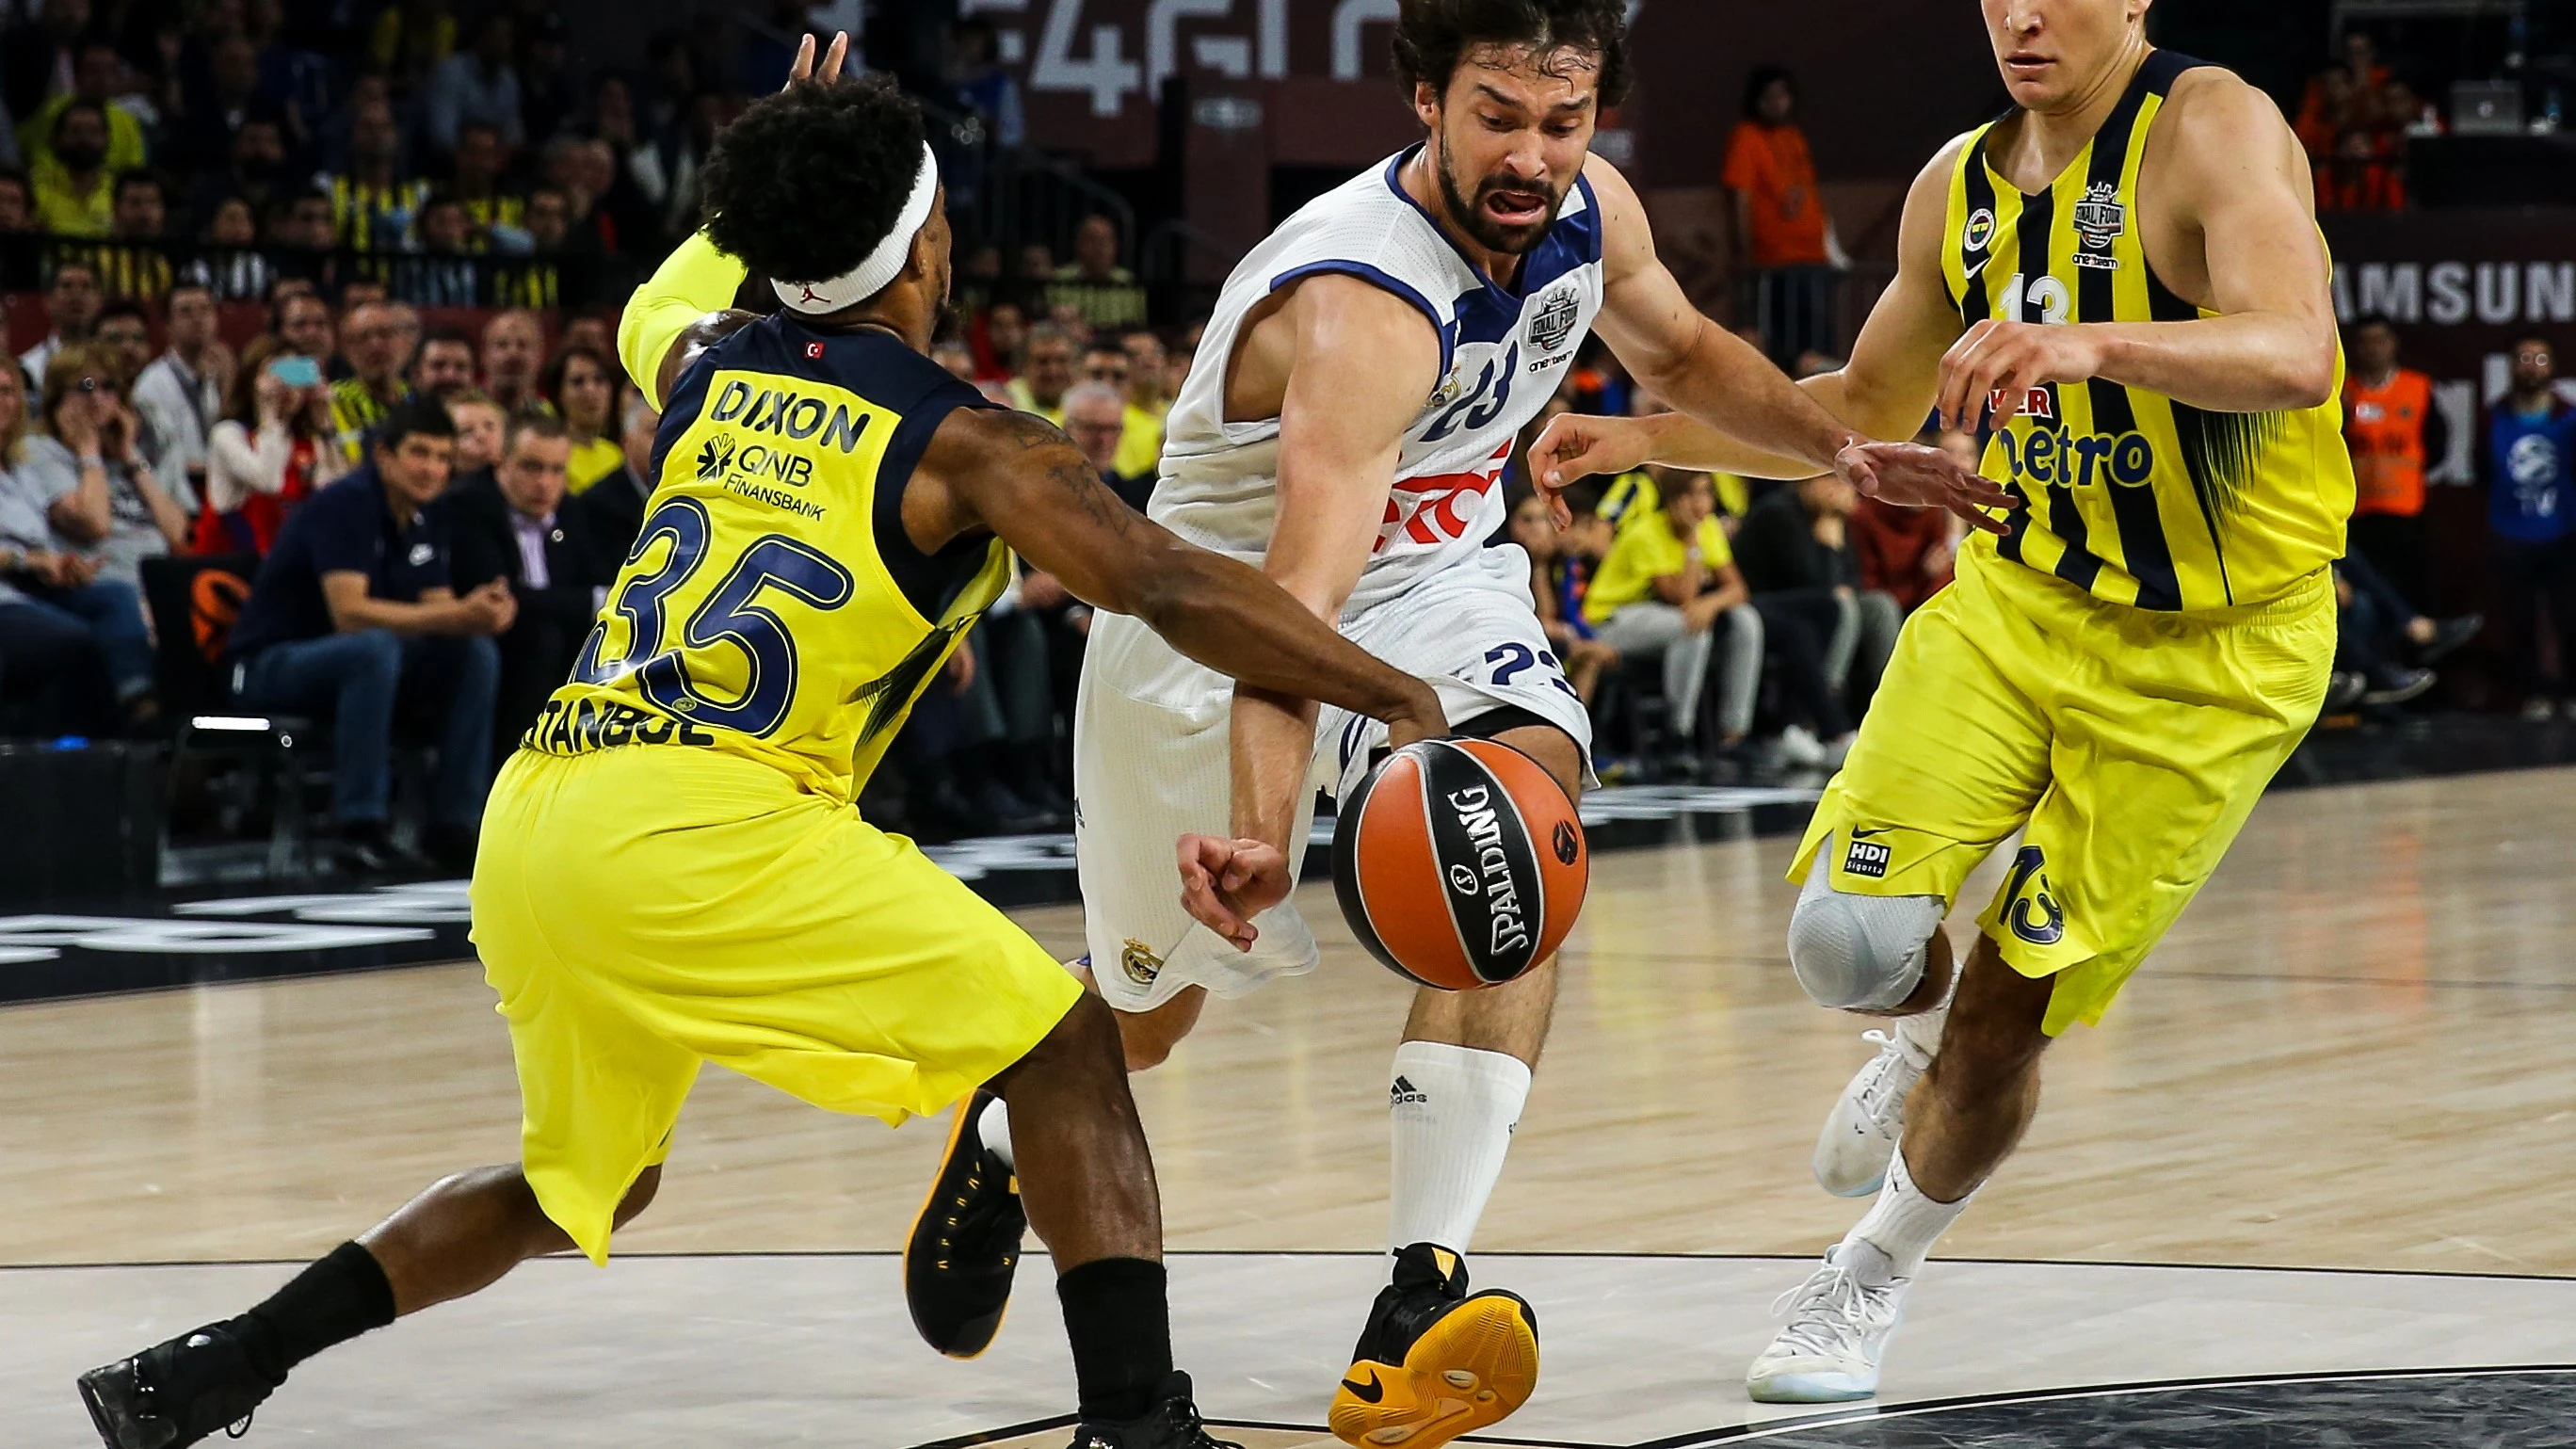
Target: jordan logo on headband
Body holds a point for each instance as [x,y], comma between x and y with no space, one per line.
[880,267]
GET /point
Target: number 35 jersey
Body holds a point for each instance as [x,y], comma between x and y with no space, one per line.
[773,606]
[1503,351]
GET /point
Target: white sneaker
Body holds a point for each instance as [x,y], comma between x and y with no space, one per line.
[1861,1131]
[1798,749]
[1839,1322]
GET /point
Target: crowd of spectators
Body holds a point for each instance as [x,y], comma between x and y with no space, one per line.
[2355,120]
[448,152]
[2523,457]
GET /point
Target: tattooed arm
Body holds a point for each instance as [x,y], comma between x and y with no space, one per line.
[1013,475]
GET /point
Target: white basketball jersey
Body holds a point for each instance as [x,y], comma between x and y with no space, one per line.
[1503,353]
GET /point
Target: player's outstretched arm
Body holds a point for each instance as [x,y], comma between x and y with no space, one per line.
[2236,179]
[1738,413]
[684,308]
[1025,481]
[1350,364]
[1886,390]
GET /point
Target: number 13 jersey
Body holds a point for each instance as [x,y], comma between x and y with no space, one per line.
[773,606]
[1503,351]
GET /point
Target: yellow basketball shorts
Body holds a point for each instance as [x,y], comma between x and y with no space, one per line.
[645,909]
[2132,744]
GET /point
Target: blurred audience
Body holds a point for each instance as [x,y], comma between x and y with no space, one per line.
[2529,468]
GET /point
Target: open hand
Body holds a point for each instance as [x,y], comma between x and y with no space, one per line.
[1225,883]
[1914,475]
[1576,447]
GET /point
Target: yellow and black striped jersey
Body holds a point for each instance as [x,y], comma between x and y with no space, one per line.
[2132,496]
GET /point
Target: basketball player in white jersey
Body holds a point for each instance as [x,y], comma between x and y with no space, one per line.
[1355,400]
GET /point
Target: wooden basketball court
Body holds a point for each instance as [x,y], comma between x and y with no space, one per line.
[2350,1055]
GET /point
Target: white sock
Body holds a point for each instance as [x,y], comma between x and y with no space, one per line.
[1452,1110]
[1922,1031]
[1903,1223]
[995,1125]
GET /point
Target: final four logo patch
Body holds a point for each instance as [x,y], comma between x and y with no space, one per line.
[1555,320]
[2099,219]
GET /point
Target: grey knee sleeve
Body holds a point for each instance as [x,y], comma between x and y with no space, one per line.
[1858,952]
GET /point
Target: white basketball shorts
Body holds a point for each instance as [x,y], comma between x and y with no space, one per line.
[1150,765]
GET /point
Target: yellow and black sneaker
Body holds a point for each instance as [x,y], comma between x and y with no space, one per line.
[1434,1363]
[957,1264]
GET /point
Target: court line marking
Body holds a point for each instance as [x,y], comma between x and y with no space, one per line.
[1829,1418]
[1539,1253]
[1774,1428]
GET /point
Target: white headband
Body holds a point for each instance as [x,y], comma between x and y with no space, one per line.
[882,266]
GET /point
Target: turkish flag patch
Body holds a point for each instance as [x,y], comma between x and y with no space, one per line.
[814,351]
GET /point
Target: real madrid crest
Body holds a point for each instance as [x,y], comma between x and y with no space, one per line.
[1979,232]
[1141,965]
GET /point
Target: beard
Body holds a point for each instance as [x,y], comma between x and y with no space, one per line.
[81,159]
[1492,235]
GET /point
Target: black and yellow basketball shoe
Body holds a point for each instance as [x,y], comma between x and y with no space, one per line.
[1433,1362]
[177,1393]
[958,1262]
[1173,1423]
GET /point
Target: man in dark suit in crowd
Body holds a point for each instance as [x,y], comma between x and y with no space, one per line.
[612,509]
[510,522]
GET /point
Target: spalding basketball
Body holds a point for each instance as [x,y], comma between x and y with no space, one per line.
[1460,863]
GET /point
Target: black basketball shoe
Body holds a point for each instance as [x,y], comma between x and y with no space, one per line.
[1434,1363]
[1173,1423]
[177,1393]
[958,1262]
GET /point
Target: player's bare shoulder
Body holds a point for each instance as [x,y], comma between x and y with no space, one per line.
[2215,132]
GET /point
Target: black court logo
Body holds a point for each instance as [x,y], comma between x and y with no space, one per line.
[1869,858]
[1141,965]
[1555,320]
[2033,912]
[1567,843]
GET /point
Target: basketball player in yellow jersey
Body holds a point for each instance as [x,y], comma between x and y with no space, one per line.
[672,871]
[2127,272]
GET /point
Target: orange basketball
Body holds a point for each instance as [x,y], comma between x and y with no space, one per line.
[1460,863]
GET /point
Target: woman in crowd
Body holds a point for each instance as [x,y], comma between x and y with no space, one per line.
[582,385]
[98,493]
[72,646]
[270,451]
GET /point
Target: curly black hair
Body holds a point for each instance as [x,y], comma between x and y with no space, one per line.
[811,179]
[1433,36]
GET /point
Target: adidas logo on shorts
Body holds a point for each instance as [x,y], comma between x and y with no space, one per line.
[1404,1093]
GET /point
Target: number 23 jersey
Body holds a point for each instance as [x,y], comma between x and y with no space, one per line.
[773,606]
[1503,351]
